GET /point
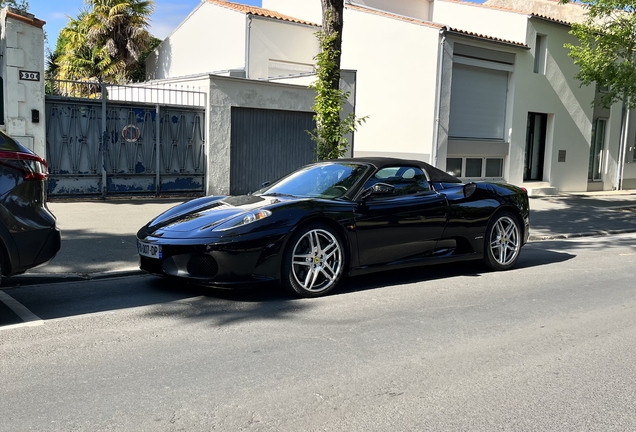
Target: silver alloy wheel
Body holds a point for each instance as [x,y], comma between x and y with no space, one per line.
[317,260]
[504,241]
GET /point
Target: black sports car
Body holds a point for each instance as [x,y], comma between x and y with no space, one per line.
[335,218]
[28,235]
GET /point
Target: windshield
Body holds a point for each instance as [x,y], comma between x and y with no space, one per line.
[325,180]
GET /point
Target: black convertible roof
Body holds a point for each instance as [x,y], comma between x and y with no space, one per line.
[434,174]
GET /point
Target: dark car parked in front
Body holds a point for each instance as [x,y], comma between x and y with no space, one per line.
[28,234]
[337,218]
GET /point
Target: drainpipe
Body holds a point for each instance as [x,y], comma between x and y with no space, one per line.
[248,32]
[438,97]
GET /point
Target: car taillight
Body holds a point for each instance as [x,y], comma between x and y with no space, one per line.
[31,166]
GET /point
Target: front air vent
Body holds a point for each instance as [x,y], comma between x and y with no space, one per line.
[202,266]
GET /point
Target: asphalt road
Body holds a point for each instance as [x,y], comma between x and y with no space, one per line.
[547,346]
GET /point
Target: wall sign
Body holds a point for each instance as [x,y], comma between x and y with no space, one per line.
[30,76]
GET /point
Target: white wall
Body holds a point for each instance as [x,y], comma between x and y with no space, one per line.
[396,83]
[289,47]
[311,10]
[211,38]
[22,49]
[419,9]
[475,18]
[306,10]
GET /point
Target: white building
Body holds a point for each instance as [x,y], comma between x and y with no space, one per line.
[236,40]
[22,78]
[483,91]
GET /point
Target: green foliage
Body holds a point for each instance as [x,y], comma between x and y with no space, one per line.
[605,53]
[104,42]
[139,73]
[331,130]
[22,5]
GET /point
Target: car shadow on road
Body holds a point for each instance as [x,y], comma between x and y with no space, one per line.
[170,298]
[529,258]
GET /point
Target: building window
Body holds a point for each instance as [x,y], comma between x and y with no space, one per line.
[494,167]
[475,167]
[540,46]
[596,150]
[454,166]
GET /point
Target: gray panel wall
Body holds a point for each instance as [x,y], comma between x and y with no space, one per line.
[266,144]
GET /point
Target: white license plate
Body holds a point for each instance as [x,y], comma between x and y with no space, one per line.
[149,250]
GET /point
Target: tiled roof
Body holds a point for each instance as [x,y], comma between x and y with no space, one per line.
[547,18]
[28,19]
[432,24]
[393,16]
[485,37]
[252,10]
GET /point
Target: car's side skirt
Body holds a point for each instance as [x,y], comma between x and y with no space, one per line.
[415,262]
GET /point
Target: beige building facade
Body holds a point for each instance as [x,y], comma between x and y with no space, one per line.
[22,74]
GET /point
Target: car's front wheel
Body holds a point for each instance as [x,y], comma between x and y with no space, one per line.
[314,261]
[503,241]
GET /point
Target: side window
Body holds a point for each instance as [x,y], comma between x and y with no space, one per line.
[406,180]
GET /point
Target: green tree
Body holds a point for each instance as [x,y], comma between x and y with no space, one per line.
[331,130]
[120,27]
[74,58]
[104,42]
[22,5]
[605,56]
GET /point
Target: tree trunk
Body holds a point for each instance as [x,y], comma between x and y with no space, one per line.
[332,12]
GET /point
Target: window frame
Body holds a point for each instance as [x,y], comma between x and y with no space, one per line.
[540,54]
[484,164]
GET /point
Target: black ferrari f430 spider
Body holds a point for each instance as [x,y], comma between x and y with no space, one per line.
[335,218]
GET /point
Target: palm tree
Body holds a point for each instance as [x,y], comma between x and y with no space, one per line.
[104,41]
[119,27]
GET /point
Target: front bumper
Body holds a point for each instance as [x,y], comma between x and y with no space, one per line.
[219,261]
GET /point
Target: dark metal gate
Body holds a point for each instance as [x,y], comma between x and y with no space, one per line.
[267,144]
[102,139]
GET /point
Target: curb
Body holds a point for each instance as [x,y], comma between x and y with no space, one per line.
[41,278]
[584,234]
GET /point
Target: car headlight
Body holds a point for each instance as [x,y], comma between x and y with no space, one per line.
[243,219]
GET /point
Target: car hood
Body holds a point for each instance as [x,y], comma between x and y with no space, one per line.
[205,213]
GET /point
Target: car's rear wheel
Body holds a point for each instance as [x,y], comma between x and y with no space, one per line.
[503,241]
[314,261]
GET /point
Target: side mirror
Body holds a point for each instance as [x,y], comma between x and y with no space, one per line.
[378,189]
[469,189]
[267,183]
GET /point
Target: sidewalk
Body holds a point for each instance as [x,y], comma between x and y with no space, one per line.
[98,237]
[582,214]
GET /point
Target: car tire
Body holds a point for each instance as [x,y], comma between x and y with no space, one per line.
[314,261]
[502,241]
